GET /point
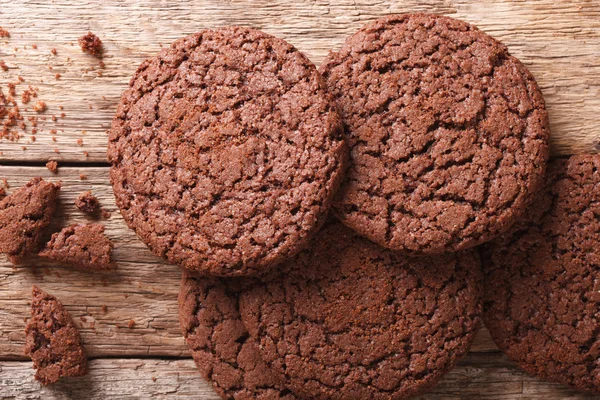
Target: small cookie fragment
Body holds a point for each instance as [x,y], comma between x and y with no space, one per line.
[52,340]
[4,33]
[52,166]
[81,246]
[87,202]
[220,345]
[91,44]
[24,215]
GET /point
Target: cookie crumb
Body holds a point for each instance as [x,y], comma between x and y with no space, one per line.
[3,65]
[153,379]
[80,142]
[82,177]
[87,202]
[4,33]
[34,46]
[104,308]
[40,106]
[91,44]
[57,76]
[105,214]
[131,324]
[52,166]
[53,51]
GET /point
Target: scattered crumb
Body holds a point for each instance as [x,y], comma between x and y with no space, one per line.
[104,308]
[85,153]
[53,51]
[62,115]
[25,97]
[90,107]
[34,46]
[153,379]
[21,79]
[12,90]
[53,118]
[4,33]
[54,138]
[61,108]
[5,182]
[82,177]
[40,106]
[83,319]
[3,65]
[57,76]
[80,142]
[105,214]
[56,150]
[91,43]
[53,131]
[52,166]
[87,202]
[102,65]
[32,138]
[131,324]
[24,148]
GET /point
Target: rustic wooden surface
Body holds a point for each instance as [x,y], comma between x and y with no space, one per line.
[559,40]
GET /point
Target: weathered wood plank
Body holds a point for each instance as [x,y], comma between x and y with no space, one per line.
[480,376]
[143,288]
[558,40]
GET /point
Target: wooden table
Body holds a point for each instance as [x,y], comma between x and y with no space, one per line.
[559,40]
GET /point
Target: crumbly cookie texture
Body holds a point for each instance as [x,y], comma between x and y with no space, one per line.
[87,202]
[82,246]
[226,152]
[52,340]
[24,215]
[348,319]
[448,133]
[222,349]
[542,279]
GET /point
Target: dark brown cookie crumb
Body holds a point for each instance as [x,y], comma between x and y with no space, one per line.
[82,177]
[3,66]
[4,33]
[131,324]
[53,51]
[542,279]
[52,340]
[24,215]
[91,44]
[52,166]
[87,202]
[105,214]
[81,246]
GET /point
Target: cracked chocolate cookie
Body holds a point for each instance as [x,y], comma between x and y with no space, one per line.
[226,152]
[542,280]
[347,319]
[220,344]
[52,340]
[448,133]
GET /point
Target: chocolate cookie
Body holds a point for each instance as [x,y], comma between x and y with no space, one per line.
[542,280]
[24,215]
[220,344]
[52,340]
[351,320]
[448,133]
[226,152]
[82,246]
[87,202]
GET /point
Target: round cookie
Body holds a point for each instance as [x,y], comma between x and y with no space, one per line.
[448,133]
[542,280]
[348,319]
[219,342]
[226,152]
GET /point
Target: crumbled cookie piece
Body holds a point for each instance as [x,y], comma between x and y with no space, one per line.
[87,202]
[81,246]
[24,215]
[52,166]
[52,340]
[91,43]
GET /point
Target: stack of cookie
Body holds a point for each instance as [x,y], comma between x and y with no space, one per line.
[328,221]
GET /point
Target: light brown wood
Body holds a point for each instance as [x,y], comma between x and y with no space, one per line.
[479,376]
[143,288]
[558,40]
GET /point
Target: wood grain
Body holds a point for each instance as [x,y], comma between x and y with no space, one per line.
[480,376]
[559,40]
[143,288]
